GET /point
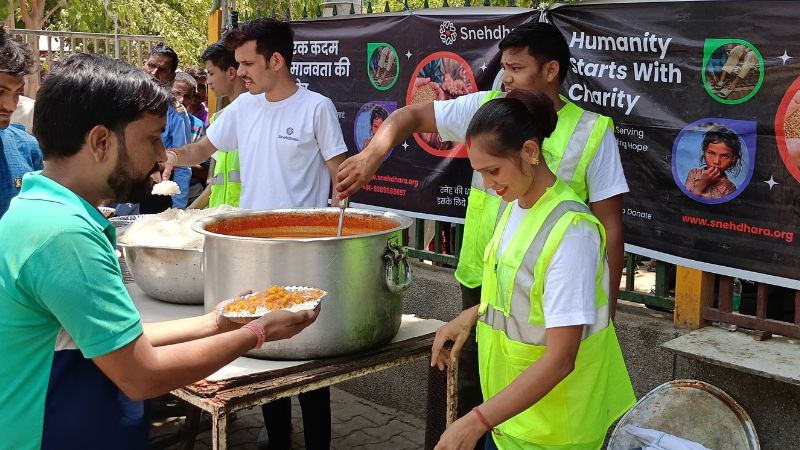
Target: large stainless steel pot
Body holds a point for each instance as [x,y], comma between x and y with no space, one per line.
[364,274]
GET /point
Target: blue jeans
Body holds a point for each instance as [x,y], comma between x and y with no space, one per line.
[490,445]
[181,175]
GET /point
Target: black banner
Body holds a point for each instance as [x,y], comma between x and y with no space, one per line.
[704,96]
[371,65]
[675,77]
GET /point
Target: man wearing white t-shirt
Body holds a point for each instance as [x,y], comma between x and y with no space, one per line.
[535,57]
[289,139]
[290,147]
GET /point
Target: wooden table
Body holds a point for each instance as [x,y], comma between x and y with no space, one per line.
[248,382]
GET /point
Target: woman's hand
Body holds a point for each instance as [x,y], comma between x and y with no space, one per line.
[462,434]
[457,331]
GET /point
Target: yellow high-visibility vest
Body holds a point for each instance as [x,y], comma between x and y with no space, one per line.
[226,181]
[511,333]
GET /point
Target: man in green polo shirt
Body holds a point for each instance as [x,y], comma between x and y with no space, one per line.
[76,359]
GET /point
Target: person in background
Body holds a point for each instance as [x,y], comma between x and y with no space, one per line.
[582,152]
[184,90]
[77,361]
[23,115]
[290,146]
[197,106]
[224,185]
[551,368]
[19,152]
[162,64]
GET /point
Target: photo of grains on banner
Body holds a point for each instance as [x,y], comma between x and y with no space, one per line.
[440,76]
[787,129]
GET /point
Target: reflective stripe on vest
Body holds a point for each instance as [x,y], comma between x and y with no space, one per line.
[516,326]
[574,151]
[226,184]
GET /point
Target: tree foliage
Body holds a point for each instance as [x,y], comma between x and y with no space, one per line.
[184,23]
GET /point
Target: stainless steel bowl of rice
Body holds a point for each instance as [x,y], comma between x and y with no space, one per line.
[165,256]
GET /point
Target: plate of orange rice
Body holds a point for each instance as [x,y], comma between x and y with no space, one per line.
[274,298]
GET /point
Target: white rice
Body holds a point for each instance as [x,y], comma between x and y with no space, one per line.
[166,187]
[171,228]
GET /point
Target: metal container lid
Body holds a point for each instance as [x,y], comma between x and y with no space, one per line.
[693,410]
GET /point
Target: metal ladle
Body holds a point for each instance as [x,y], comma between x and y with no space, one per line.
[342,206]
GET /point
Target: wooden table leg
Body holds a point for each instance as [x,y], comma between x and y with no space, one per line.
[452,397]
[219,431]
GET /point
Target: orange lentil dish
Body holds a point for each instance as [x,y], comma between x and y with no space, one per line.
[272,299]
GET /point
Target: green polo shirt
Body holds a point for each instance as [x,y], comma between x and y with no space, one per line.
[62,302]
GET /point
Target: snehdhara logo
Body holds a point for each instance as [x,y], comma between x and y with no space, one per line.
[448,34]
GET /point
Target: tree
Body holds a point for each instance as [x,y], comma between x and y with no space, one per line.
[35,14]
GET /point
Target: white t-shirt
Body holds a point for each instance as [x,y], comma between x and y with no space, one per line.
[604,176]
[569,287]
[283,147]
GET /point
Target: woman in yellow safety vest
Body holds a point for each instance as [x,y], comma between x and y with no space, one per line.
[551,369]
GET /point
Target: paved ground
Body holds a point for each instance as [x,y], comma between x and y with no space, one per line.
[357,424]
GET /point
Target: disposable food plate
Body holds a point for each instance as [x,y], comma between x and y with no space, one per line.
[315,298]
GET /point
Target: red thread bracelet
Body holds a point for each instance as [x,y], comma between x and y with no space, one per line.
[482,418]
[258,331]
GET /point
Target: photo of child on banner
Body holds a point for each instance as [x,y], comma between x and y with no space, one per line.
[368,119]
[725,159]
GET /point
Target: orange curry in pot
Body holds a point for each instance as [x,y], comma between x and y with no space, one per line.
[294,226]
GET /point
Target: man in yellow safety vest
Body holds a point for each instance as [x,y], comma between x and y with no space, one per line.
[225,183]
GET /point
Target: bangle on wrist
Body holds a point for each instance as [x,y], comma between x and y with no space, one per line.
[258,331]
[482,418]
[174,153]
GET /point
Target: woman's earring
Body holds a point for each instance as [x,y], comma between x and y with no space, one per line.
[535,160]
